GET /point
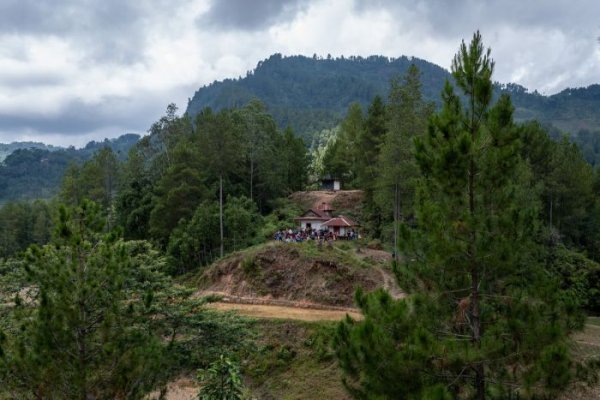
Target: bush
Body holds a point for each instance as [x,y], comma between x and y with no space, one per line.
[578,276]
[375,245]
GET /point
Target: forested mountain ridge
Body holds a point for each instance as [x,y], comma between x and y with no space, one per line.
[311,94]
[8,148]
[35,171]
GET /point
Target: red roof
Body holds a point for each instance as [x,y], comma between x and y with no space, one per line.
[340,221]
[313,214]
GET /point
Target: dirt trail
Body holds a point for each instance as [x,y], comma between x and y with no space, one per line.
[284,312]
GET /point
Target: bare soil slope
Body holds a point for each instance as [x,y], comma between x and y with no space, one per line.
[297,275]
[341,200]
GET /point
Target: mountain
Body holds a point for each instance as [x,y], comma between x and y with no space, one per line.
[312,93]
[32,172]
[7,149]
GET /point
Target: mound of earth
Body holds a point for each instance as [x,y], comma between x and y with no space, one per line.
[348,200]
[302,273]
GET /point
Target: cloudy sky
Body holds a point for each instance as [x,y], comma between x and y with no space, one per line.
[76,70]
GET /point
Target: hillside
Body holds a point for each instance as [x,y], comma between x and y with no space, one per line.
[311,94]
[8,149]
[297,274]
[36,172]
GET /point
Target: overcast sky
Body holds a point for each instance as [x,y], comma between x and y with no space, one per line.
[75,70]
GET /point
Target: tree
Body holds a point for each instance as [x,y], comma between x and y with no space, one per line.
[220,140]
[295,161]
[135,199]
[79,330]
[484,319]
[341,158]
[369,147]
[178,192]
[196,242]
[221,381]
[242,222]
[407,119]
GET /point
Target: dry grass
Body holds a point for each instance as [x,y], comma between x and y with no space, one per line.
[587,344]
[180,389]
[282,312]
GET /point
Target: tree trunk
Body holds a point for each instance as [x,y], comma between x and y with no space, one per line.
[221,212]
[476,330]
[251,178]
[396,218]
[81,331]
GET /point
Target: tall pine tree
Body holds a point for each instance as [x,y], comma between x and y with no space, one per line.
[483,319]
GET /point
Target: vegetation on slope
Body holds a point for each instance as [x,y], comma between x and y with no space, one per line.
[35,172]
[313,94]
[306,273]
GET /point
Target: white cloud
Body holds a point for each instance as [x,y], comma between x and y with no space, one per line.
[108,68]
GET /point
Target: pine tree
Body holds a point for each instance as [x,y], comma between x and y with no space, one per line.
[221,143]
[407,119]
[368,151]
[483,319]
[79,325]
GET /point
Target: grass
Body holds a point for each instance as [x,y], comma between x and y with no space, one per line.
[293,361]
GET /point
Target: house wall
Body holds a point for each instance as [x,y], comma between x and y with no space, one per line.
[336,185]
[341,230]
[313,224]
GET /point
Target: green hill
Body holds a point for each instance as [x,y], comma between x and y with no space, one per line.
[311,94]
[33,170]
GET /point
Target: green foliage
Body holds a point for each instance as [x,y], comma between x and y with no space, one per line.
[24,223]
[407,115]
[78,328]
[196,243]
[242,222]
[35,172]
[234,156]
[313,94]
[392,354]
[94,314]
[484,319]
[578,277]
[282,217]
[96,180]
[570,203]
[178,192]
[221,381]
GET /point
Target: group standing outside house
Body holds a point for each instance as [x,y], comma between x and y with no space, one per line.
[301,235]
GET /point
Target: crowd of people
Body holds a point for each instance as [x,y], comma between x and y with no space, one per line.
[301,235]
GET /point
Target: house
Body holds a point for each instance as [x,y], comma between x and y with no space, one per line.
[330,183]
[321,218]
[340,225]
[314,218]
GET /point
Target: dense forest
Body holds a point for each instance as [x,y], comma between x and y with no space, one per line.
[312,94]
[492,223]
[33,171]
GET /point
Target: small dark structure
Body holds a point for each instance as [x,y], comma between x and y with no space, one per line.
[329,182]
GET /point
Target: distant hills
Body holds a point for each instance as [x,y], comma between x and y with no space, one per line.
[30,170]
[7,149]
[312,93]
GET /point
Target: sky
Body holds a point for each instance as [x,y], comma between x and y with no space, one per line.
[72,71]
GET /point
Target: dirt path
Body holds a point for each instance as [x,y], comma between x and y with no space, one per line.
[390,284]
[284,312]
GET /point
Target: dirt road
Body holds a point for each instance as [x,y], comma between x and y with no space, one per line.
[284,312]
